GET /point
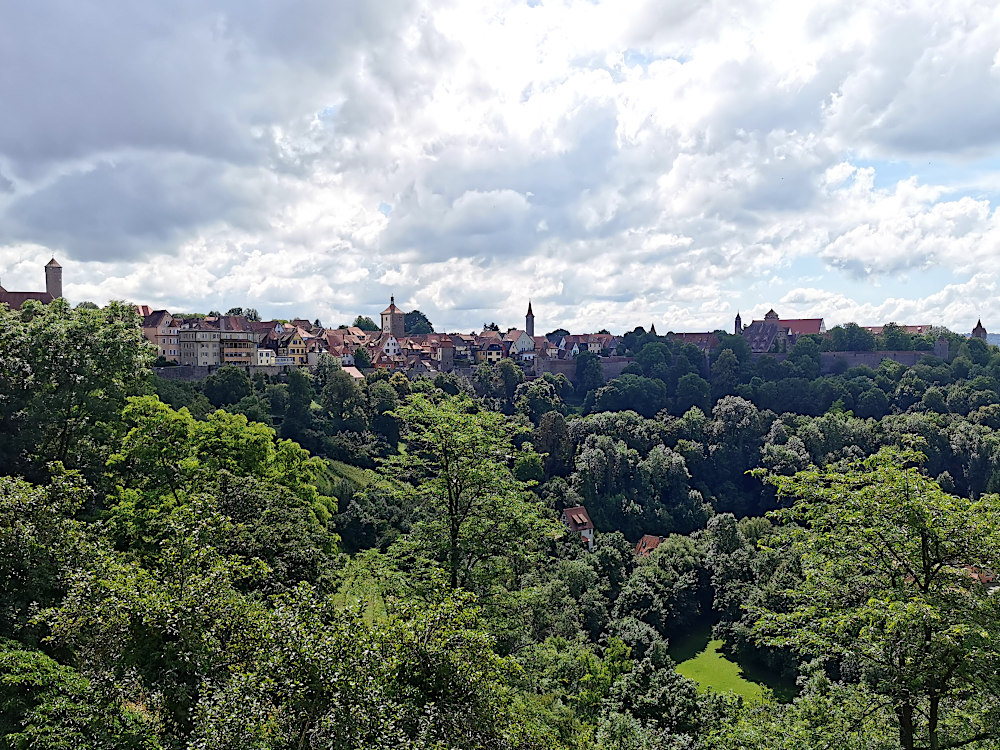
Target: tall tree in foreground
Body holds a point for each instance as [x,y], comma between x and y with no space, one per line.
[64,376]
[892,591]
[475,515]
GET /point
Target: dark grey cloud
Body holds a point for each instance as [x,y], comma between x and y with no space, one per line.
[133,208]
[89,76]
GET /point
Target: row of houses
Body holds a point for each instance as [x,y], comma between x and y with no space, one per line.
[214,341]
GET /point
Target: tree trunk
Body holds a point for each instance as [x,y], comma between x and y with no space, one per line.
[904,713]
[453,554]
[932,723]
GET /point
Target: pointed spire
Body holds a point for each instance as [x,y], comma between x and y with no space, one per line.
[530,314]
[652,328]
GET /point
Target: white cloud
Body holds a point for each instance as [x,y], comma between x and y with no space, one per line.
[618,162]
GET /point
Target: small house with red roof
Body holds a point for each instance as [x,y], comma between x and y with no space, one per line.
[647,544]
[577,521]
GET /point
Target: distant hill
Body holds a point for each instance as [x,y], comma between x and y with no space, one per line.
[993,338]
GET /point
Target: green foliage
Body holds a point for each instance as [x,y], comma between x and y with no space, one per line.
[227,385]
[322,677]
[65,374]
[415,322]
[887,587]
[589,375]
[47,704]
[475,518]
[366,324]
[537,398]
[37,535]
[362,359]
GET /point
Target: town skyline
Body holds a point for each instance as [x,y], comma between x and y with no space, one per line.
[500,321]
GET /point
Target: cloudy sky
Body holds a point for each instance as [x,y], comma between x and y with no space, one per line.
[618,162]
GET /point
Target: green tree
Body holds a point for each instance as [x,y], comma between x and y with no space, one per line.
[851,337]
[894,338]
[343,402]
[536,398]
[589,375]
[46,704]
[322,675]
[365,324]
[416,322]
[362,359]
[227,385]
[511,376]
[37,534]
[643,395]
[475,514]
[725,374]
[65,375]
[298,416]
[692,391]
[890,585]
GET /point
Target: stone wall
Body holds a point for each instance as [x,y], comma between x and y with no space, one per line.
[611,367]
[831,362]
[199,372]
[838,361]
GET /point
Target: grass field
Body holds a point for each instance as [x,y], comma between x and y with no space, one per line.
[356,475]
[712,670]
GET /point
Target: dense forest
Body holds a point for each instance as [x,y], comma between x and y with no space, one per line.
[314,562]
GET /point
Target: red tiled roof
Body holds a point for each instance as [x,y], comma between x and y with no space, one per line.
[701,340]
[14,300]
[801,326]
[647,544]
[919,330]
[578,519]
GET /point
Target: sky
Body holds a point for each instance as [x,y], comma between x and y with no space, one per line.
[617,162]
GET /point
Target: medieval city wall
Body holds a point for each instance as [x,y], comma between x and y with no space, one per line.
[611,367]
[831,362]
[200,372]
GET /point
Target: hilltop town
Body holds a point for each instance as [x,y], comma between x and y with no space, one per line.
[200,344]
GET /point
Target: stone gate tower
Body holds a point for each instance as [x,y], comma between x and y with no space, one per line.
[393,319]
[53,279]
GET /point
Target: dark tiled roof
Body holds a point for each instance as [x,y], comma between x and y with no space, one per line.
[802,326]
[14,300]
[761,334]
[578,519]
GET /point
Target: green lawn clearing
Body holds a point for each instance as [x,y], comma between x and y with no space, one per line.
[713,670]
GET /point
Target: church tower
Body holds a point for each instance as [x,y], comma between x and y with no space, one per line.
[53,279]
[739,325]
[393,319]
[979,332]
[529,322]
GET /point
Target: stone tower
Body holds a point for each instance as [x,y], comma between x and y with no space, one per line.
[979,332]
[53,279]
[529,322]
[738,329]
[393,319]
[941,348]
